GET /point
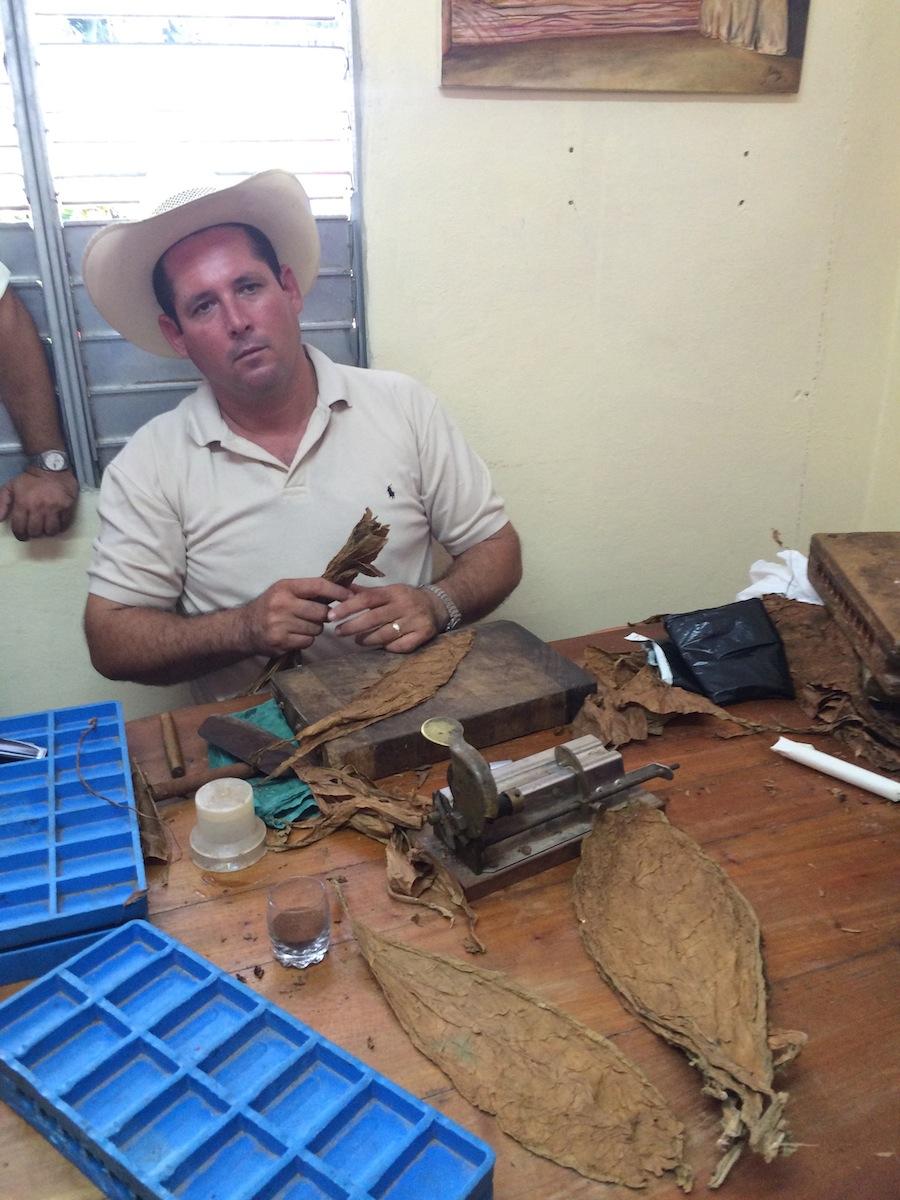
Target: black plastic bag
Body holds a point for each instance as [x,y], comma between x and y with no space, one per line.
[681,672]
[730,653]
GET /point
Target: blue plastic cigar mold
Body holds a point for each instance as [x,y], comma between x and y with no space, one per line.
[70,861]
[161,1077]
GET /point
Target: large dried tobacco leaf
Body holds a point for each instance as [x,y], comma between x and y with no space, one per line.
[680,945]
[355,557]
[412,680]
[554,1085]
[345,798]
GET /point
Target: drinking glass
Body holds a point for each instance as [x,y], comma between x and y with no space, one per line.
[298,915]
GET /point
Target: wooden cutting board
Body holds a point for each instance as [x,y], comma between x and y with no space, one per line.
[509,684]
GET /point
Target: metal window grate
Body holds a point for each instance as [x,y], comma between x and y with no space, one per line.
[138,101]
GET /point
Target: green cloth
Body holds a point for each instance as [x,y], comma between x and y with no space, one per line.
[277,801]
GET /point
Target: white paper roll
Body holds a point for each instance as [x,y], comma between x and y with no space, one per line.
[809,756]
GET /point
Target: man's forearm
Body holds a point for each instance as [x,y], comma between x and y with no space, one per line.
[482,577]
[37,503]
[151,645]
[147,645]
[25,386]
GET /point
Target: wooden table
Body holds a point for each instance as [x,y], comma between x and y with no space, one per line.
[818,862]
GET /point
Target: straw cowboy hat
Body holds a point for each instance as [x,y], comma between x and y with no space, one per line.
[119,259]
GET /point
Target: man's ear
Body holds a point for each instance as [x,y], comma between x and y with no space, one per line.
[172,334]
[290,285]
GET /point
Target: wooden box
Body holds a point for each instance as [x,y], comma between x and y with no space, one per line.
[858,577]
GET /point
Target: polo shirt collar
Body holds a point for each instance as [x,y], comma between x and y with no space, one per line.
[205,423]
[332,382]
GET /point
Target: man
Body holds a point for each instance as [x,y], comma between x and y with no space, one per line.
[218,518]
[41,500]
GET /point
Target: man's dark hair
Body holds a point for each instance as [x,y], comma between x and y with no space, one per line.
[260,245]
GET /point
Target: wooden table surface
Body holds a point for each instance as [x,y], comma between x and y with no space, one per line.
[818,862]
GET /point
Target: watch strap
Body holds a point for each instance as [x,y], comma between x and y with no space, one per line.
[454,616]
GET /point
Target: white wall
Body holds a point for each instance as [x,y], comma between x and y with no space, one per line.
[664,320]
[43,657]
[852,478]
[668,323]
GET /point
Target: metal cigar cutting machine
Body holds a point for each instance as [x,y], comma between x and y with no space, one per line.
[500,825]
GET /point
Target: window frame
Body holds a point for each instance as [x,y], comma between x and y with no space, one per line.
[48,277]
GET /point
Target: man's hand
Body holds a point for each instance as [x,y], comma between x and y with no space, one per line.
[419,615]
[401,618]
[38,503]
[289,615]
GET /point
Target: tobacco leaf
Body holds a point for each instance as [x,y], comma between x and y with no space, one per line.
[410,681]
[359,552]
[355,557]
[680,945]
[554,1085]
[154,842]
[826,674]
[346,798]
[632,702]
[416,877]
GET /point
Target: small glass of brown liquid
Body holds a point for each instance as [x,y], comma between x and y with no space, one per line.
[299,920]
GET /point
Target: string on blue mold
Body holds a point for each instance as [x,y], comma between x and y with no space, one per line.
[89,728]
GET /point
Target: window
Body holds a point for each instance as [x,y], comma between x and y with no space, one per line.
[107,107]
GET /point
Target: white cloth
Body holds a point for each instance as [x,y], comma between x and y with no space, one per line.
[4,279]
[196,518]
[787,578]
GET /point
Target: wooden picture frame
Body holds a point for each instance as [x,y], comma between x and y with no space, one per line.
[752,47]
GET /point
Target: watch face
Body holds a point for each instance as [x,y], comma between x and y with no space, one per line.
[54,460]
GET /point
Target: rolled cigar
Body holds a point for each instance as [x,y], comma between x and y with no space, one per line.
[809,756]
[171,745]
[170,789]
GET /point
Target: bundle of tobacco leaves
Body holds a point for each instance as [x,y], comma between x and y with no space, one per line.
[554,1085]
[680,945]
[408,682]
[358,553]
[355,557]
[346,798]
[632,703]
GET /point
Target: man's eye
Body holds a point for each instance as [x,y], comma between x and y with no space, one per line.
[250,287]
[201,309]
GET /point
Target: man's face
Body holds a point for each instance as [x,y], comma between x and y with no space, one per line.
[238,322]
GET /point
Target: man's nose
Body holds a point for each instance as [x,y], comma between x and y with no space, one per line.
[236,316]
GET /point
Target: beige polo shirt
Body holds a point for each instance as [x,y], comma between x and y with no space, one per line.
[195,518]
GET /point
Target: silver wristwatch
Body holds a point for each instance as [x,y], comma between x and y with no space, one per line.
[454,616]
[50,460]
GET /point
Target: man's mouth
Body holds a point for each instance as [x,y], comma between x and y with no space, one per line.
[247,351]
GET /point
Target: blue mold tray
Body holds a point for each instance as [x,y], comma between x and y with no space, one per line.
[162,1078]
[70,852]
